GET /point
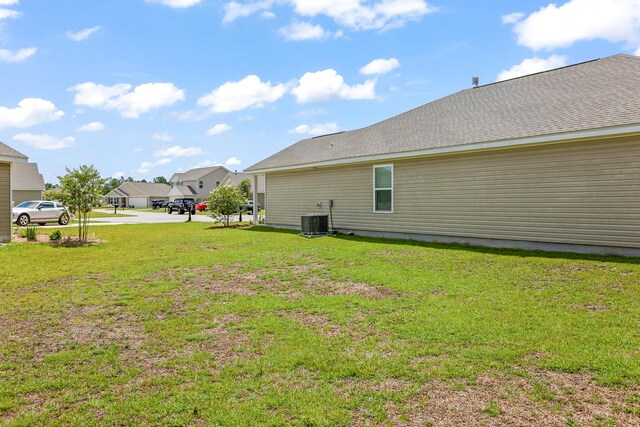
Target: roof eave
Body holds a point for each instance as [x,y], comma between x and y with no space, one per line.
[608,132]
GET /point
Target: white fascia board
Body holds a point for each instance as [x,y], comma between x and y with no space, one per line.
[609,132]
[13,159]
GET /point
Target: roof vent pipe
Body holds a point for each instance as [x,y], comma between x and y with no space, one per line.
[475,81]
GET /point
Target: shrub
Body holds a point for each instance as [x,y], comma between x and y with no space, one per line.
[30,232]
[55,236]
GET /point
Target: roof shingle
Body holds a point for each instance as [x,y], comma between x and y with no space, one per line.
[590,95]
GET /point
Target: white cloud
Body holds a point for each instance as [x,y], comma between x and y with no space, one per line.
[82,34]
[91,127]
[555,26]
[236,96]
[202,164]
[232,161]
[533,65]
[512,18]
[380,66]
[324,85]
[138,150]
[317,129]
[219,128]
[147,166]
[176,4]
[352,14]
[20,55]
[117,175]
[130,103]
[8,13]
[267,15]
[163,137]
[179,151]
[8,2]
[299,31]
[44,141]
[29,112]
[234,10]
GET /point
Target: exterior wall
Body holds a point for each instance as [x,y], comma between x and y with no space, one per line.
[19,196]
[583,193]
[209,183]
[5,202]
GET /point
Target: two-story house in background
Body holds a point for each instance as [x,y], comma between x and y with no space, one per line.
[197,183]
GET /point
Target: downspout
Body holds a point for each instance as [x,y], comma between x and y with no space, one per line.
[254,187]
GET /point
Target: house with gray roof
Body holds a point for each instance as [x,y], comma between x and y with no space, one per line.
[8,158]
[200,182]
[234,179]
[137,194]
[548,161]
[27,183]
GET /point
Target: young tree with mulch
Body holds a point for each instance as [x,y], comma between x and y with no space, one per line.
[224,202]
[80,191]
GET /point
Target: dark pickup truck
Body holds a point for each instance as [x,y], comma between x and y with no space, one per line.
[181,206]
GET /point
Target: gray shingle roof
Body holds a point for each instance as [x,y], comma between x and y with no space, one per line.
[197,173]
[25,176]
[590,95]
[5,150]
[151,189]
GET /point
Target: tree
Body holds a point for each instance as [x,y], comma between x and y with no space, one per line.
[224,202]
[110,184]
[80,192]
[160,180]
[52,193]
[245,189]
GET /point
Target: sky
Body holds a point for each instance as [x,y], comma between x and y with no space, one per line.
[146,88]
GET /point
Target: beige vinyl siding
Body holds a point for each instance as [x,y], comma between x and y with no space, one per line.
[5,202]
[20,196]
[580,193]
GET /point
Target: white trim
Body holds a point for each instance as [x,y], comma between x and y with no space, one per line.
[609,132]
[13,159]
[376,188]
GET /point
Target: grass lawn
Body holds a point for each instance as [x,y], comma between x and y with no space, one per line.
[181,324]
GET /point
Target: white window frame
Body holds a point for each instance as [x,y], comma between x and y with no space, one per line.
[375,188]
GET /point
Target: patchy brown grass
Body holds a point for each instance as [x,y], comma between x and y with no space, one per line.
[231,280]
[540,398]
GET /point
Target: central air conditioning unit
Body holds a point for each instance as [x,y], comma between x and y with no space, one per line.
[314,224]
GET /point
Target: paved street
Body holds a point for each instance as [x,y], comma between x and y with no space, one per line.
[150,217]
[138,217]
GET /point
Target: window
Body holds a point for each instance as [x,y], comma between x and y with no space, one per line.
[383,188]
[201,184]
[217,183]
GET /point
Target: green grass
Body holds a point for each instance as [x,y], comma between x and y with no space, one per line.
[179,324]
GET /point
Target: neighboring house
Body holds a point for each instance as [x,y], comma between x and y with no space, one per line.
[202,181]
[8,158]
[181,191]
[27,183]
[234,179]
[548,161]
[137,194]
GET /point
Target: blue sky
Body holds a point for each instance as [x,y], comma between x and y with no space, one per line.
[145,88]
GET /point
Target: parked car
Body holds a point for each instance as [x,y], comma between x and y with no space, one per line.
[249,207]
[159,204]
[182,206]
[40,212]
[202,206]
